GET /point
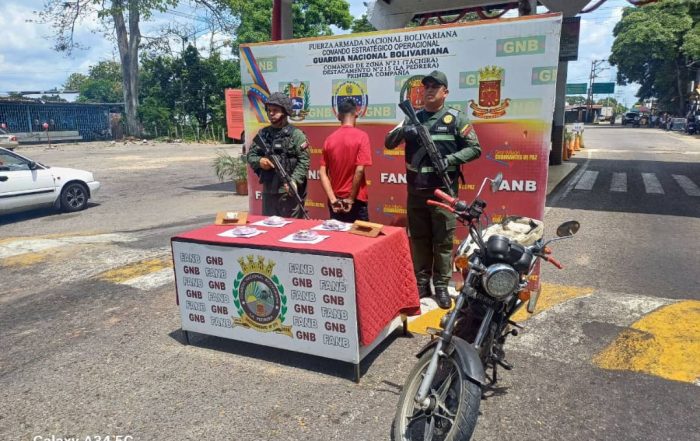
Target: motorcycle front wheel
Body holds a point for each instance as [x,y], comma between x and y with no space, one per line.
[453,409]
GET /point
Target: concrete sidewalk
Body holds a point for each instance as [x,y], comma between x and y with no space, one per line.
[558,173]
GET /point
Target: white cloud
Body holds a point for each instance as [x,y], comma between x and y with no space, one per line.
[27,60]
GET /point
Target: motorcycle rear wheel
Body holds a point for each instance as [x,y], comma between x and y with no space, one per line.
[456,400]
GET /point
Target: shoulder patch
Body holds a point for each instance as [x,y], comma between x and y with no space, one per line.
[466,130]
[447,119]
[304,146]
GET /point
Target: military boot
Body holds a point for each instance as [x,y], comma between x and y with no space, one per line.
[424,291]
[443,297]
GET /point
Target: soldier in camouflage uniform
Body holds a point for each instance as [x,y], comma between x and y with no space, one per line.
[290,144]
[431,229]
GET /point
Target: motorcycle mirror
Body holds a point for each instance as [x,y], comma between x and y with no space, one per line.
[496,182]
[568,228]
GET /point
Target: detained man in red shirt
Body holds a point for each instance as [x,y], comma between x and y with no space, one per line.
[346,153]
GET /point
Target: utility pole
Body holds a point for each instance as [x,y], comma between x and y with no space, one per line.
[595,70]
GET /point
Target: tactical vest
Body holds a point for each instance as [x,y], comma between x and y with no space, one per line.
[280,142]
[420,172]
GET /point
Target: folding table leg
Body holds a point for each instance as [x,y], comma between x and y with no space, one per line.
[187,337]
[404,320]
[357,372]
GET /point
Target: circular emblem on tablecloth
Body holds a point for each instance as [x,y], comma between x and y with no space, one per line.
[259,297]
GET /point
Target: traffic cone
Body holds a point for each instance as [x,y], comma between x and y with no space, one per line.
[577,142]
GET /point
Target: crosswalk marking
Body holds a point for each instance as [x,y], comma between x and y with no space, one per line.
[587,180]
[619,182]
[687,185]
[652,184]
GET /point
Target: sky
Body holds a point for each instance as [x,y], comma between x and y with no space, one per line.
[27,61]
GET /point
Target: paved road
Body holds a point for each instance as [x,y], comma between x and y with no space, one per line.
[91,343]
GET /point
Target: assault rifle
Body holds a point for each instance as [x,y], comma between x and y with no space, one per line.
[281,172]
[425,141]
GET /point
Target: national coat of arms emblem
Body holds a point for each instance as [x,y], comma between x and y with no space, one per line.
[490,104]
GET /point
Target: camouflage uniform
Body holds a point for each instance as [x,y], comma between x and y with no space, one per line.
[431,229]
[290,144]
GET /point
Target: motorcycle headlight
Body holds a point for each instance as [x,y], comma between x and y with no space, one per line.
[500,280]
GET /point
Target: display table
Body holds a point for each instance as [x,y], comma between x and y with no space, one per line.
[338,298]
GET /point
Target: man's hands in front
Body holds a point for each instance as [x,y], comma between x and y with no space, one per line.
[342,205]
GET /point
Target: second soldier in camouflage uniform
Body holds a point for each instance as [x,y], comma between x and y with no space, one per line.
[431,229]
[291,146]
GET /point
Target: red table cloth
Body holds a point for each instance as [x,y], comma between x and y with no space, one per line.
[385,284]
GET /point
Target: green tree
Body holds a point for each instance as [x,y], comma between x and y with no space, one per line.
[123,18]
[185,88]
[654,46]
[74,81]
[103,84]
[362,25]
[311,18]
[575,100]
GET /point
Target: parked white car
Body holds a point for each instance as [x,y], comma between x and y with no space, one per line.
[8,140]
[26,184]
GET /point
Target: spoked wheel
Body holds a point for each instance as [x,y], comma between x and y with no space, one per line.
[74,197]
[453,409]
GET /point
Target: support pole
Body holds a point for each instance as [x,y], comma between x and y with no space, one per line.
[276,20]
[558,123]
[282,20]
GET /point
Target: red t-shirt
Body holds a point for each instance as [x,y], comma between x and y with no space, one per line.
[343,150]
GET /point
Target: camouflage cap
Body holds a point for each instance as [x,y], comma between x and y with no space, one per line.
[436,76]
[282,100]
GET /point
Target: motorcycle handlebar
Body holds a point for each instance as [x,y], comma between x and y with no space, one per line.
[445,197]
[553,261]
[440,204]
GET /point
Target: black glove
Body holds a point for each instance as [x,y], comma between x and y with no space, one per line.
[410,132]
[445,162]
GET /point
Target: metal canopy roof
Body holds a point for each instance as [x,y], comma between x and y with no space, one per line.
[392,14]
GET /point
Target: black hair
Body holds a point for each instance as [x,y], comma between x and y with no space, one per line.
[348,105]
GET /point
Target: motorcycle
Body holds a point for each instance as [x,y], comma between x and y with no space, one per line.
[441,397]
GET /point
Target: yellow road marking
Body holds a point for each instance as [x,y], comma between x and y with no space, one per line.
[136,269]
[27,258]
[430,319]
[49,236]
[665,343]
[550,296]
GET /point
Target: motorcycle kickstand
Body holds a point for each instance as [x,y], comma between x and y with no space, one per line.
[494,378]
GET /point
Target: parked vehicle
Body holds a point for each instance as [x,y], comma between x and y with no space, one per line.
[678,124]
[8,140]
[630,118]
[27,184]
[441,397]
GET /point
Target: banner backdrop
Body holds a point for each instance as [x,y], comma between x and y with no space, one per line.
[501,73]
